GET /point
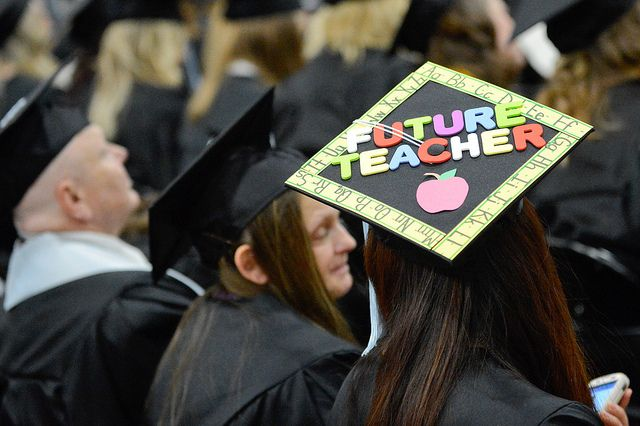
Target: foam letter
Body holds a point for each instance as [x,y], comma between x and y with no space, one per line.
[403,155]
[382,141]
[531,133]
[417,124]
[357,135]
[344,161]
[373,162]
[509,115]
[425,157]
[496,142]
[475,116]
[456,126]
[472,145]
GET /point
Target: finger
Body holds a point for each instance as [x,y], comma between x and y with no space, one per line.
[618,412]
[626,398]
[609,420]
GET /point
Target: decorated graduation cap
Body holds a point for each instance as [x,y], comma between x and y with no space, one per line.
[10,14]
[571,24]
[244,9]
[439,159]
[420,22]
[232,181]
[32,133]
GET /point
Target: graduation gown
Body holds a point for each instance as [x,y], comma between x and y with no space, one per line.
[14,89]
[322,99]
[491,396]
[235,96]
[595,198]
[259,363]
[85,352]
[148,127]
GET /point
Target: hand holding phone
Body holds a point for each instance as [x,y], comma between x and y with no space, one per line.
[608,389]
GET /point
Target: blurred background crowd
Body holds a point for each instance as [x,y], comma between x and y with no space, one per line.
[163,77]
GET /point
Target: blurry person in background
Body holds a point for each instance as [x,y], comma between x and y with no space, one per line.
[139,95]
[266,344]
[26,41]
[594,197]
[249,46]
[83,327]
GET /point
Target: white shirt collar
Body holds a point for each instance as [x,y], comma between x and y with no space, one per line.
[49,259]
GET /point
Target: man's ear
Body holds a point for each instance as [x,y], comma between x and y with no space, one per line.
[247,265]
[70,198]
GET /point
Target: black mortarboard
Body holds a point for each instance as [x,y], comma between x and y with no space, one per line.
[571,24]
[439,158]
[32,133]
[91,18]
[10,14]
[420,22]
[233,180]
[244,9]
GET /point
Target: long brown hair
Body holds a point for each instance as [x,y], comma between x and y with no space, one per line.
[505,302]
[582,79]
[272,43]
[283,249]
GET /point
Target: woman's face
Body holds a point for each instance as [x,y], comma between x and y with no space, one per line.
[331,244]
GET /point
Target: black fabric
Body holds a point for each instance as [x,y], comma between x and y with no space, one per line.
[232,181]
[490,396]
[318,102]
[10,14]
[595,197]
[235,96]
[14,89]
[259,363]
[32,133]
[243,9]
[527,13]
[419,24]
[85,352]
[147,127]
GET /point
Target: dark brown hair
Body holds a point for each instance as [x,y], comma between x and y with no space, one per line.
[505,302]
[283,249]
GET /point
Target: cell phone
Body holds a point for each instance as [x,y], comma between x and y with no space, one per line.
[606,389]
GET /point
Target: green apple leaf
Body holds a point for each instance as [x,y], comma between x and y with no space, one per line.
[448,175]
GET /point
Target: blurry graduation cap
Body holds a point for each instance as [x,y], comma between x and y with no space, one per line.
[244,9]
[232,181]
[571,24]
[91,18]
[32,133]
[439,159]
[10,14]
[420,22]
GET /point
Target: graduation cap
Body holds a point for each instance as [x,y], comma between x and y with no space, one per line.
[571,24]
[32,133]
[419,24]
[232,181]
[10,14]
[244,9]
[439,159]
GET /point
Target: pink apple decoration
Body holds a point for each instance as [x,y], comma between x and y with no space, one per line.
[446,193]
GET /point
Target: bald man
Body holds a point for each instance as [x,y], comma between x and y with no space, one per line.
[84,326]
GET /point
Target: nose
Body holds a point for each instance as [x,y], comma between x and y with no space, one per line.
[345,243]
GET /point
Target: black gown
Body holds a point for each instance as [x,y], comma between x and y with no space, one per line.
[85,352]
[259,363]
[235,96]
[14,89]
[322,99]
[491,396]
[148,127]
[595,198]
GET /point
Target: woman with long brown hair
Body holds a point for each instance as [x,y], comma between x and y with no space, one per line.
[490,342]
[266,343]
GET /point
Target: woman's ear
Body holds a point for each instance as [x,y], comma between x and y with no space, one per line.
[70,199]
[247,265]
